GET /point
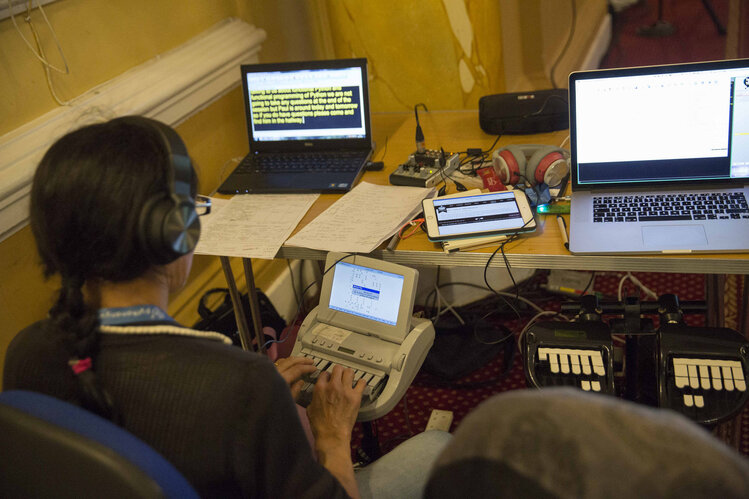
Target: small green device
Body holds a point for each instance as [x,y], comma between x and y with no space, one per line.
[553,208]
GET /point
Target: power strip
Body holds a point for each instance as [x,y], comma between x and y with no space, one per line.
[440,420]
[424,170]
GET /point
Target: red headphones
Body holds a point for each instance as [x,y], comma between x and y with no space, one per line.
[532,164]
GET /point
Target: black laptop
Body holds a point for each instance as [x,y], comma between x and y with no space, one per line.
[308,125]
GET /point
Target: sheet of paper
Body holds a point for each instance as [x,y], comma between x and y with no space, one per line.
[362,219]
[251,225]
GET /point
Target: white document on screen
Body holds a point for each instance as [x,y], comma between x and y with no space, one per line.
[362,219]
[251,225]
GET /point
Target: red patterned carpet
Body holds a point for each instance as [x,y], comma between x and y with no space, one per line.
[695,36]
[429,392]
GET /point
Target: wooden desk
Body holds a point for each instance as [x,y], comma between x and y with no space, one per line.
[543,249]
[457,131]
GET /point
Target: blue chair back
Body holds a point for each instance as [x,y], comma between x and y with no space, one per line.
[51,448]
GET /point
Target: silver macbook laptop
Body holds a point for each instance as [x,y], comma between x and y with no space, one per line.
[308,125]
[660,159]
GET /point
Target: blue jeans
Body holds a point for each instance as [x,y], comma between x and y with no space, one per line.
[403,472]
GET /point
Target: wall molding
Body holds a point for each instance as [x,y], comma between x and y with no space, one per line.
[171,87]
[18,7]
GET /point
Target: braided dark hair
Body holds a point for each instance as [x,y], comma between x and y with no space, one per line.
[86,199]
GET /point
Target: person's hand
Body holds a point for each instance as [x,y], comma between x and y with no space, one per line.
[335,404]
[292,369]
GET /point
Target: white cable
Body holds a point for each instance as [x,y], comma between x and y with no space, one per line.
[637,283]
[521,298]
[619,290]
[46,68]
[532,321]
[564,142]
[39,56]
[647,290]
[448,307]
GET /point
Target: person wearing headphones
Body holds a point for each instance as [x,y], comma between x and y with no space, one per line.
[114,214]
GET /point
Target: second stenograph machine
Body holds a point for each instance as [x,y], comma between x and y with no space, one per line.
[660,159]
[364,321]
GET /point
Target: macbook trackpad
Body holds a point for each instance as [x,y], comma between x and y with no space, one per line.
[685,237]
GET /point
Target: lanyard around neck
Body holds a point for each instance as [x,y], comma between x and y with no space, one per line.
[139,314]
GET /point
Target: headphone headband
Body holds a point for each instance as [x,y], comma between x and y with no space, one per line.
[180,175]
[531,164]
[169,226]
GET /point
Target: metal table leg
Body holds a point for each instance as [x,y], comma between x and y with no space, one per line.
[244,333]
[714,289]
[254,304]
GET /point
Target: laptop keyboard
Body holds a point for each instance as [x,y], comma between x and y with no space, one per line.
[338,161]
[670,207]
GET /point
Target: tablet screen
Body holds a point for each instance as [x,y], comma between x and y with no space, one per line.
[497,211]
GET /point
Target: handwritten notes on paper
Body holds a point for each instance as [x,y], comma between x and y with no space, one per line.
[362,219]
[252,225]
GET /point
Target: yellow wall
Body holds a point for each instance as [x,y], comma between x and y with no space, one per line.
[102,40]
[415,51]
[449,53]
[422,51]
[534,33]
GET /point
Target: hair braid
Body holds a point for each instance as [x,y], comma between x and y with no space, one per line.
[79,322]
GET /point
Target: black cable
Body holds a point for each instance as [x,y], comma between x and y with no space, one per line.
[298,311]
[437,298]
[544,104]
[592,278]
[566,45]
[420,147]
[491,148]
[480,158]
[432,294]
[504,338]
[501,247]
[385,150]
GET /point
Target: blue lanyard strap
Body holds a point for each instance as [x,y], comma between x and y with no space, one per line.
[133,315]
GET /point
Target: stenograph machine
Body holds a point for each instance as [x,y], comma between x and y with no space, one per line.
[364,321]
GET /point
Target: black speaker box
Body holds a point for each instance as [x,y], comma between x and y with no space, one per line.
[524,112]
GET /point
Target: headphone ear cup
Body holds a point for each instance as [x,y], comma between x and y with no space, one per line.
[547,166]
[169,228]
[509,163]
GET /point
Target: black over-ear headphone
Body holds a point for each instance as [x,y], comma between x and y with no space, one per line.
[169,226]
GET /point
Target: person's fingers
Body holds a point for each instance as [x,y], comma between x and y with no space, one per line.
[296,371]
[296,389]
[336,374]
[291,361]
[322,380]
[348,377]
[360,386]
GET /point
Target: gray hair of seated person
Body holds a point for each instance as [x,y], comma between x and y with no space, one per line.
[86,199]
[564,442]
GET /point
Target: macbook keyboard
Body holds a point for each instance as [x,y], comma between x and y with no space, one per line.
[338,161]
[670,207]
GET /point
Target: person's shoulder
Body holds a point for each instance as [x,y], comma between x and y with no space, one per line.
[38,332]
[35,349]
[192,346]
